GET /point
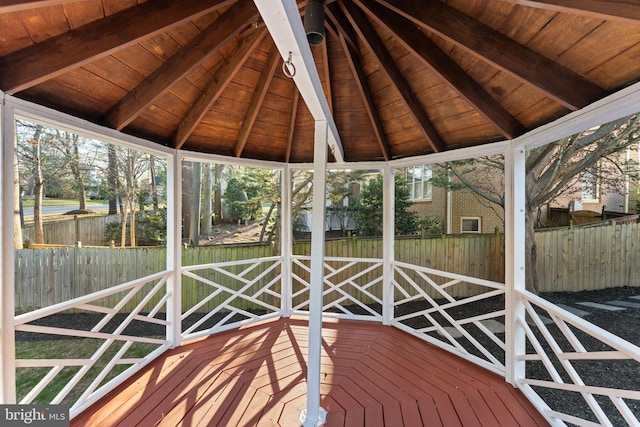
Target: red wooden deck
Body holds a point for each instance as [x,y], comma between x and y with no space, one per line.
[372,375]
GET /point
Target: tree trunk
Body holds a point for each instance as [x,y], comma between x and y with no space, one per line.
[194,223]
[123,231]
[266,221]
[77,174]
[206,199]
[17,211]
[38,188]
[112,180]
[217,204]
[154,185]
[187,188]
[531,254]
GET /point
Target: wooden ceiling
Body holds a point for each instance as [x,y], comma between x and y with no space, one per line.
[402,77]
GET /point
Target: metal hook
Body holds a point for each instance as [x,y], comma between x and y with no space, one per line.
[288,68]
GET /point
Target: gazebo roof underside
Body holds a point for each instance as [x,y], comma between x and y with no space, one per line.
[402,77]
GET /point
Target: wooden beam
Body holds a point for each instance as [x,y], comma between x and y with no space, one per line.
[433,57]
[292,122]
[627,11]
[209,41]
[337,18]
[221,79]
[327,75]
[367,34]
[564,86]
[353,58]
[262,87]
[19,71]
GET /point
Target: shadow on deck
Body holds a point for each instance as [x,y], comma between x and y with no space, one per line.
[372,375]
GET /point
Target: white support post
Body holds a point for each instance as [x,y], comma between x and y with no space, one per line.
[7,309]
[314,415]
[388,245]
[515,274]
[286,231]
[174,248]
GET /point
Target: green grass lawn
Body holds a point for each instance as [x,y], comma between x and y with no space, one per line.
[28,203]
[81,348]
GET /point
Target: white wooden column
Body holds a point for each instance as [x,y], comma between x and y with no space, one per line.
[388,241]
[286,231]
[7,309]
[314,415]
[174,248]
[515,274]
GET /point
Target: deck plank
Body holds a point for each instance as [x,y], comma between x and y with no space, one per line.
[371,375]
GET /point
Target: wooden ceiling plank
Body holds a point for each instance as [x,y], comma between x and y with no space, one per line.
[360,77]
[221,79]
[18,70]
[292,122]
[262,87]
[341,24]
[564,86]
[7,6]
[433,57]
[627,11]
[208,42]
[367,33]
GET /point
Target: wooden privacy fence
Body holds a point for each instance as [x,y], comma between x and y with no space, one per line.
[589,258]
[88,230]
[569,260]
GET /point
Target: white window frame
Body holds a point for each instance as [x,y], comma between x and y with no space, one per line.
[475,218]
[424,181]
[594,186]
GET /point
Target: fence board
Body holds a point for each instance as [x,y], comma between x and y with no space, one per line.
[88,230]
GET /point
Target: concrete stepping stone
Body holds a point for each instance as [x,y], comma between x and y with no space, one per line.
[600,306]
[491,324]
[574,310]
[626,304]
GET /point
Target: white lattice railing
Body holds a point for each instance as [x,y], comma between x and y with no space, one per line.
[571,360]
[107,341]
[353,287]
[462,314]
[230,294]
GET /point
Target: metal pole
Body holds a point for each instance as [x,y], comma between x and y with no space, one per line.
[314,414]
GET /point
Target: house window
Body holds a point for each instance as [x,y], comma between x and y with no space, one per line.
[590,187]
[470,225]
[419,181]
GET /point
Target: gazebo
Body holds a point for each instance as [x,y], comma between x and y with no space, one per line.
[384,84]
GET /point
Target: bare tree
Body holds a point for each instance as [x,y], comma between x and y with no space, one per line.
[551,170]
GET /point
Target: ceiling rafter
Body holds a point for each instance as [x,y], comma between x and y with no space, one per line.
[259,94]
[564,86]
[616,10]
[368,35]
[433,57]
[340,22]
[219,81]
[56,55]
[205,44]
[327,75]
[353,58]
[292,122]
